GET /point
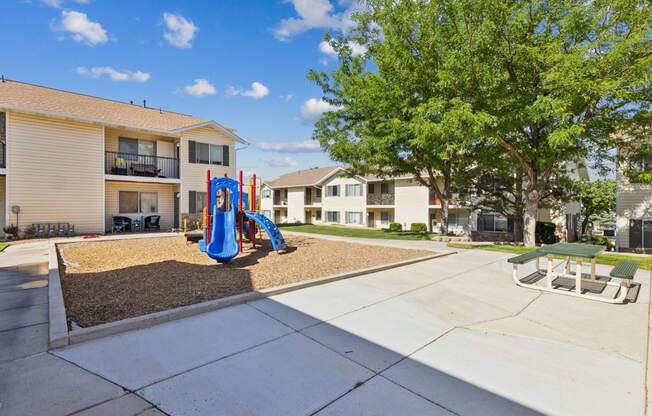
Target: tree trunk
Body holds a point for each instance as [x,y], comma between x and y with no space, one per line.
[443,228]
[518,227]
[530,220]
[585,223]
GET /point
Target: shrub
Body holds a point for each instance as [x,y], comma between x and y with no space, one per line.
[545,232]
[395,226]
[10,229]
[297,222]
[598,240]
[418,227]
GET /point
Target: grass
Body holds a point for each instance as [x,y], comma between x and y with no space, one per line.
[355,232]
[645,263]
[3,246]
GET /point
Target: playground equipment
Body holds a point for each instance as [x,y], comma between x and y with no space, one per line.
[228,208]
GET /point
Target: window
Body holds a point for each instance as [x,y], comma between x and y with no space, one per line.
[3,128]
[353,189]
[333,190]
[495,222]
[136,146]
[318,215]
[641,165]
[196,202]
[148,202]
[384,188]
[133,202]
[318,194]
[208,153]
[267,213]
[386,217]
[267,193]
[370,188]
[332,216]
[354,217]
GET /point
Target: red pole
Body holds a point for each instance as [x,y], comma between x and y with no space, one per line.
[208,205]
[252,225]
[240,210]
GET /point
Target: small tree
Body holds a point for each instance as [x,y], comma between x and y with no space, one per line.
[598,199]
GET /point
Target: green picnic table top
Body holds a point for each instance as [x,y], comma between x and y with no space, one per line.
[587,251]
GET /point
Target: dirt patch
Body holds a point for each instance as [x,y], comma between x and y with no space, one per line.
[124,278]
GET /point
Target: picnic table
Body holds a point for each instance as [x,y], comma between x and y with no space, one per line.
[624,270]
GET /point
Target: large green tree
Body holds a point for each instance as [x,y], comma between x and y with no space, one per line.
[549,82]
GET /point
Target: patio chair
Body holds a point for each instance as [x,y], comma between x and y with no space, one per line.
[121,223]
[152,222]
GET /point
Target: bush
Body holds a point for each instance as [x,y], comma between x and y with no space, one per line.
[598,240]
[395,226]
[297,222]
[10,229]
[545,233]
[418,227]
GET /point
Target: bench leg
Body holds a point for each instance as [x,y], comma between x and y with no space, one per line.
[578,276]
[515,273]
[567,265]
[593,268]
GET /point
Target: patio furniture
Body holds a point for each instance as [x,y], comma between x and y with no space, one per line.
[137,224]
[125,221]
[143,169]
[580,251]
[52,229]
[152,222]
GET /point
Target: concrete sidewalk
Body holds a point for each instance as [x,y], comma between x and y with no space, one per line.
[452,335]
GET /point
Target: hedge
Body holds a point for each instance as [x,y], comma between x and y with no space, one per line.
[418,227]
[545,233]
[395,226]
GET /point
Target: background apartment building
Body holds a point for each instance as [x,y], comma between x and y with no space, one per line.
[330,196]
[79,159]
[633,206]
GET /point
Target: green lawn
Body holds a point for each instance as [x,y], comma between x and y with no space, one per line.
[607,258]
[355,232]
[3,246]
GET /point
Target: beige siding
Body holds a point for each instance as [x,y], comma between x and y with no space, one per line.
[295,204]
[165,201]
[266,204]
[634,201]
[193,175]
[411,200]
[56,171]
[164,145]
[343,203]
[3,204]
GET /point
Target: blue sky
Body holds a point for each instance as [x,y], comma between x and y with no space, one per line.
[241,63]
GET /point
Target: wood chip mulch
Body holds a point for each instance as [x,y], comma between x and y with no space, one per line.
[125,278]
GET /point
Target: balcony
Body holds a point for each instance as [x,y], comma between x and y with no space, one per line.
[312,201]
[380,199]
[129,164]
[280,201]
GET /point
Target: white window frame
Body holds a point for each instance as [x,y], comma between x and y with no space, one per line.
[330,188]
[337,217]
[347,219]
[349,186]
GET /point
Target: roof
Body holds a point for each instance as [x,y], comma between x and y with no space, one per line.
[302,177]
[21,96]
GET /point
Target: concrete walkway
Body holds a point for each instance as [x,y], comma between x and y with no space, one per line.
[452,335]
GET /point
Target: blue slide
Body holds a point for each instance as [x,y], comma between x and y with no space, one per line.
[278,243]
[223,244]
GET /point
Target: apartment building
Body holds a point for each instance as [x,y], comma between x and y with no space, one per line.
[633,205]
[329,196]
[75,158]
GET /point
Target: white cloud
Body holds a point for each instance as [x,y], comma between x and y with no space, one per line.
[82,29]
[356,48]
[256,92]
[280,162]
[53,3]
[126,75]
[314,14]
[286,97]
[82,1]
[199,88]
[312,109]
[180,31]
[306,146]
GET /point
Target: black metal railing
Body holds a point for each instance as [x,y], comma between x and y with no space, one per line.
[380,199]
[130,164]
[3,162]
[312,201]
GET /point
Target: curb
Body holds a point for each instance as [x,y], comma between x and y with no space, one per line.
[60,336]
[58,327]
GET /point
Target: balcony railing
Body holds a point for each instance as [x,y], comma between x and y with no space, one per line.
[312,201]
[280,201]
[3,162]
[380,199]
[129,164]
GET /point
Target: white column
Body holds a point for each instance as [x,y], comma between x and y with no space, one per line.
[578,276]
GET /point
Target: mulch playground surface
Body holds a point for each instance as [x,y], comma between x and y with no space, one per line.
[119,279]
